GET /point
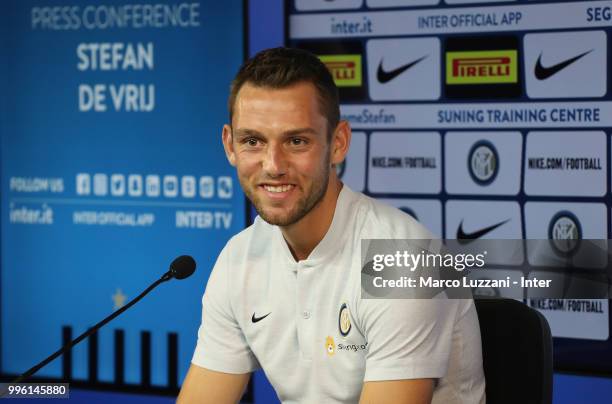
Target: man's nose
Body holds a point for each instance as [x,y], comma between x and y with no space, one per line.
[275,161]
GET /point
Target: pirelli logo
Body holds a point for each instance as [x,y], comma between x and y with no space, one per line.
[482,67]
[345,69]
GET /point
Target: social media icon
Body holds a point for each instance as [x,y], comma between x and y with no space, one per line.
[135,185]
[152,185]
[83,184]
[170,186]
[100,184]
[207,187]
[188,186]
[117,185]
[224,187]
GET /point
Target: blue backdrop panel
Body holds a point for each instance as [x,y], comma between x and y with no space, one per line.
[112,165]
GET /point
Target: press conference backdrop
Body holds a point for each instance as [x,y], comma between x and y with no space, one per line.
[111,166]
[483,119]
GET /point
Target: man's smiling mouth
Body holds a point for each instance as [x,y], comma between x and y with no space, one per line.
[278,188]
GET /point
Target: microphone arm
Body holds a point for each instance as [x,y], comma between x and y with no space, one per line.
[166,277]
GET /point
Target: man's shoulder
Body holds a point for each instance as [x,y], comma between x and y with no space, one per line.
[254,237]
[381,220]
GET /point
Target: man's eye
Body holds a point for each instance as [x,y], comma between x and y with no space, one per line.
[296,141]
[252,142]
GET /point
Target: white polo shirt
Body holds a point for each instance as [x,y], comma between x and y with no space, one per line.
[306,325]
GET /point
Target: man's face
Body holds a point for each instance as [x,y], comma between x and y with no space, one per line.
[279,146]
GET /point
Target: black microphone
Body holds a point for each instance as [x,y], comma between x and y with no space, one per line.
[181,268]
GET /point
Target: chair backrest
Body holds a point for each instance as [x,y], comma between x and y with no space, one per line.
[516,351]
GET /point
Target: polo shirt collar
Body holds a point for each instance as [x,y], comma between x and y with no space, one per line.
[331,242]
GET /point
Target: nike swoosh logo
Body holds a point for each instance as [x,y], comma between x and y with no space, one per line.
[256,319]
[386,76]
[542,73]
[466,238]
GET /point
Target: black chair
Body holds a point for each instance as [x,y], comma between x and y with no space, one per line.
[516,351]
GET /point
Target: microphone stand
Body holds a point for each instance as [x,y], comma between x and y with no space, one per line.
[166,277]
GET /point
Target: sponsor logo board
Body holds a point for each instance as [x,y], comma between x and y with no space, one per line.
[566,64]
[494,220]
[565,163]
[560,226]
[592,219]
[405,162]
[569,318]
[482,67]
[483,163]
[404,69]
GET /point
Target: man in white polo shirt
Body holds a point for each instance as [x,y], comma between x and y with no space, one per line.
[285,293]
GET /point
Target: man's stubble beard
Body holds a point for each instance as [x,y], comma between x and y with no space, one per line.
[303,206]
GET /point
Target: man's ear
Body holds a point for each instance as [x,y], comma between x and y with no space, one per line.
[228,144]
[340,142]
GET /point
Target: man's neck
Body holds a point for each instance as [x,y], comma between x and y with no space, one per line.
[303,236]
